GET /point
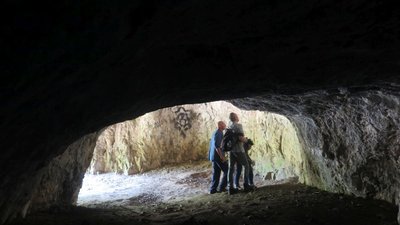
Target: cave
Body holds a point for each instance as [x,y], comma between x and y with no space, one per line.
[181,135]
[72,68]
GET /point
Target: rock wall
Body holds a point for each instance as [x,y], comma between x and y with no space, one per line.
[182,133]
[56,184]
[61,180]
[350,138]
[360,145]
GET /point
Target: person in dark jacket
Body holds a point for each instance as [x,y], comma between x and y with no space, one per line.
[219,163]
[237,156]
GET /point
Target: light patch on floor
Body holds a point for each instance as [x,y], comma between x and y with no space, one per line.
[167,184]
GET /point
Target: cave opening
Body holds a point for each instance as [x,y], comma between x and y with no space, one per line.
[163,155]
[154,169]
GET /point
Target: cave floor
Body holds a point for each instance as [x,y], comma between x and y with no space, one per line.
[188,202]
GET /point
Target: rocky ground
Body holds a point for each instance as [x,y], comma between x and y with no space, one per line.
[178,195]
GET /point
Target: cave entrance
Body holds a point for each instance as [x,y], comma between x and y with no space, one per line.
[154,170]
[162,155]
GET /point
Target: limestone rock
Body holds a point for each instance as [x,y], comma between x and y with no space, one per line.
[61,180]
[350,138]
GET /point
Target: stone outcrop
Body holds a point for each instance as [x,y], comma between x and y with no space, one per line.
[61,180]
[58,183]
[350,138]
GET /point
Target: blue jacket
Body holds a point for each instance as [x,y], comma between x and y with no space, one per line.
[216,139]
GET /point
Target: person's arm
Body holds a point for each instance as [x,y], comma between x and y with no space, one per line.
[241,137]
[221,155]
[218,140]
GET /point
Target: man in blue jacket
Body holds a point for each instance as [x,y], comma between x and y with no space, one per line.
[216,156]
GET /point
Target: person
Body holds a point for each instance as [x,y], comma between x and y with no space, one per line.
[247,147]
[237,155]
[219,163]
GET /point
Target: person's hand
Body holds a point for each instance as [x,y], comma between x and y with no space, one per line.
[223,159]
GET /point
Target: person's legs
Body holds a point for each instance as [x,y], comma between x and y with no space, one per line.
[216,172]
[251,175]
[232,161]
[242,159]
[237,174]
[224,181]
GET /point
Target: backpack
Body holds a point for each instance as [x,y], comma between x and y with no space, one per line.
[248,144]
[229,140]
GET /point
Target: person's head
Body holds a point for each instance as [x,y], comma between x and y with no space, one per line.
[233,117]
[221,125]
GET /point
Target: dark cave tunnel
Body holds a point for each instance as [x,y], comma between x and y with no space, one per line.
[71,69]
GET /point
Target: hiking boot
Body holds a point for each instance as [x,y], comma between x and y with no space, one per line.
[249,188]
[222,190]
[213,191]
[232,191]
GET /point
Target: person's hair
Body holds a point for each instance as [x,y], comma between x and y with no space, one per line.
[232,116]
[220,123]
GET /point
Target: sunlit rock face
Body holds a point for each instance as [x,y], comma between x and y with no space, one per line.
[182,133]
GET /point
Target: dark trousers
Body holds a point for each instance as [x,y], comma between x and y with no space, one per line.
[238,158]
[239,171]
[217,167]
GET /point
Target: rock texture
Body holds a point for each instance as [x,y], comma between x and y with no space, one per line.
[182,133]
[350,138]
[71,68]
[58,183]
[61,180]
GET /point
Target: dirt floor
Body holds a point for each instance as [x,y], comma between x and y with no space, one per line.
[179,195]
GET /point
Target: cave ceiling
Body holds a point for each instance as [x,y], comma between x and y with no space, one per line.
[71,68]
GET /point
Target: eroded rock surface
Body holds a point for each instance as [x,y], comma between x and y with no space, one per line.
[61,180]
[350,138]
